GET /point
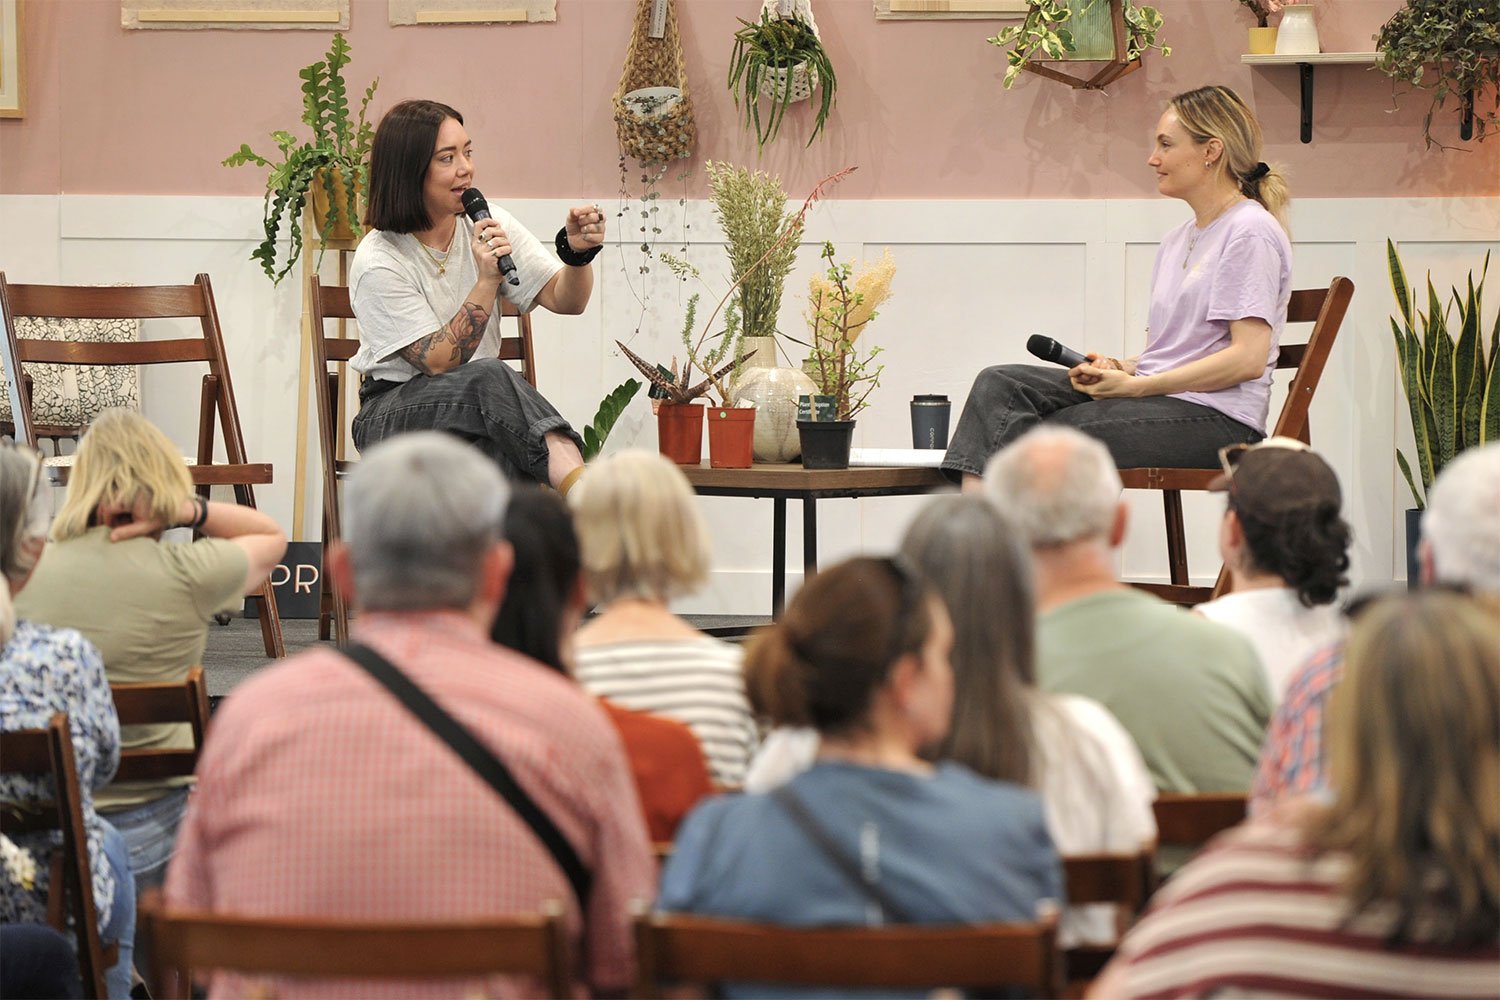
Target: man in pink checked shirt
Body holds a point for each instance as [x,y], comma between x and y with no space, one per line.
[320,794]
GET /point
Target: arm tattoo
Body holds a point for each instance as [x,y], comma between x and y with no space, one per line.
[450,346]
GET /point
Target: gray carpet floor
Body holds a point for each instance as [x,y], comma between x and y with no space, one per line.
[235,651]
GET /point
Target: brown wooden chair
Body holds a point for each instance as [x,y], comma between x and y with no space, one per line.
[1324,308]
[679,948]
[49,753]
[329,355]
[188,942]
[1192,820]
[145,704]
[1125,880]
[216,400]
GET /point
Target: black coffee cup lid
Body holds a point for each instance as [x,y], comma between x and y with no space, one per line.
[932,398]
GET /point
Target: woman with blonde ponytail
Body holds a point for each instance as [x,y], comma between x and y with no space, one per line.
[1219,293]
[44,671]
[873,832]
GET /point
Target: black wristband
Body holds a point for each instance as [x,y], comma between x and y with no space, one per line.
[198,521]
[571,257]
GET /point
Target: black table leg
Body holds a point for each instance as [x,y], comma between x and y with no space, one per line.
[809,538]
[778,555]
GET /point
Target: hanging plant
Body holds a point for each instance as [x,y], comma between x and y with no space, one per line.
[1045,33]
[782,60]
[1451,48]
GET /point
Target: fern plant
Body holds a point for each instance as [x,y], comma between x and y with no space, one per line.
[1452,389]
[337,157]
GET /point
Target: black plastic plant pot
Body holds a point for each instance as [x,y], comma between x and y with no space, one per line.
[825,443]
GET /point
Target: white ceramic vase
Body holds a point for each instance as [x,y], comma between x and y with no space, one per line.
[1297,34]
[773,392]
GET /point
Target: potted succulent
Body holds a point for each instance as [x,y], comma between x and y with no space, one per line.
[1057,30]
[1452,389]
[1262,36]
[782,60]
[331,168]
[840,305]
[1451,48]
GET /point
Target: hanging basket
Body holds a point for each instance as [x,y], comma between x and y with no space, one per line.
[804,80]
[653,109]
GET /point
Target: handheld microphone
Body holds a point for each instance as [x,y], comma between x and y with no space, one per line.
[478,210]
[1050,350]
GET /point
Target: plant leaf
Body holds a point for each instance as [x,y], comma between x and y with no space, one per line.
[1406,471]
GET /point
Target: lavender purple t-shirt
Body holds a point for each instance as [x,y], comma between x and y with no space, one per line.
[1240,267]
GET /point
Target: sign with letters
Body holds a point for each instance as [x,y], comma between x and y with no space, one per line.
[298,580]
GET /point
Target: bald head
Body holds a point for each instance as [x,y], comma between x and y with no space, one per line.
[1056,485]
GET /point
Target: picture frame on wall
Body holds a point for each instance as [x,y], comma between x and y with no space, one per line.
[12,60]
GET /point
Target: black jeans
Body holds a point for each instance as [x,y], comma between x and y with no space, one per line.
[484,402]
[1150,431]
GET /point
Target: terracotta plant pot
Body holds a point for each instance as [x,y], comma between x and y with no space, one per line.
[679,432]
[1262,41]
[731,436]
[826,443]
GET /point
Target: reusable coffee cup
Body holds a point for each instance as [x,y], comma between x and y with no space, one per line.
[929,421]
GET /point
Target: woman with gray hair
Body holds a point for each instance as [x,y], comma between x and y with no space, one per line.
[644,542]
[43,671]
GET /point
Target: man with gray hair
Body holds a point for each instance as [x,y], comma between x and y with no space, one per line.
[320,795]
[1460,547]
[1190,692]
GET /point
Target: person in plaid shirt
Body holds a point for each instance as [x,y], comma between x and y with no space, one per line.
[320,795]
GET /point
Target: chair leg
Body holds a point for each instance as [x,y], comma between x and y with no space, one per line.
[270,621]
[1171,501]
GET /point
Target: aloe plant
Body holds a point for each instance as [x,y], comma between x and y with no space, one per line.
[1452,388]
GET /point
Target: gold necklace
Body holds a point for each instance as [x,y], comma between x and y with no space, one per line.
[441,263]
[1197,233]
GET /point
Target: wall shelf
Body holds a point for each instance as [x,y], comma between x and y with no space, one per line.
[1305,64]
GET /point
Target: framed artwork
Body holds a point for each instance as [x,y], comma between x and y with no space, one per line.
[263,15]
[472,11]
[12,61]
[937,10]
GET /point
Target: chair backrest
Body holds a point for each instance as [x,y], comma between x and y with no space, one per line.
[1122,879]
[680,948]
[144,704]
[1325,309]
[49,753]
[1193,820]
[187,942]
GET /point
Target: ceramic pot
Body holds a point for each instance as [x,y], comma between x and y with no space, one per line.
[731,436]
[1262,41]
[679,432]
[1413,544]
[1298,33]
[826,443]
[319,196]
[773,392]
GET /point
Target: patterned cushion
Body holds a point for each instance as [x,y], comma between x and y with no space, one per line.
[72,395]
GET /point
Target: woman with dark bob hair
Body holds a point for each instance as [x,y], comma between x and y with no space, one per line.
[1391,888]
[425,286]
[1286,547]
[1219,292]
[873,833]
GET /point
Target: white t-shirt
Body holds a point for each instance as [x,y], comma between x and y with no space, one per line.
[1284,633]
[399,297]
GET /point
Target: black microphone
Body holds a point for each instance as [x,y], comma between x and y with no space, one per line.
[1050,350]
[478,210]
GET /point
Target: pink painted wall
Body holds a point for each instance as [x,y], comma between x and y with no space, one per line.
[920,109]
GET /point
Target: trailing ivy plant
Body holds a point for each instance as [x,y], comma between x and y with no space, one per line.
[339,148]
[1451,48]
[1044,33]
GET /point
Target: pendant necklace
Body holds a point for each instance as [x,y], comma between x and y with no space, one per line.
[1197,233]
[441,263]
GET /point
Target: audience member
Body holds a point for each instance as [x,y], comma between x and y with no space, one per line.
[320,795]
[43,671]
[1392,889]
[1286,548]
[644,542]
[542,608]
[38,961]
[861,655]
[1191,692]
[1095,789]
[145,604]
[1460,547]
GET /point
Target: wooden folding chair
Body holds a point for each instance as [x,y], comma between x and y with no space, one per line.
[329,355]
[146,704]
[1324,308]
[49,753]
[194,301]
[680,948]
[1125,880]
[189,942]
[1190,821]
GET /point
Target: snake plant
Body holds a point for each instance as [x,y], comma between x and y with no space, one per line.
[1452,388]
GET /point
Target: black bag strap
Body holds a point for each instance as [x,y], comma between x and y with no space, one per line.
[821,838]
[482,760]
